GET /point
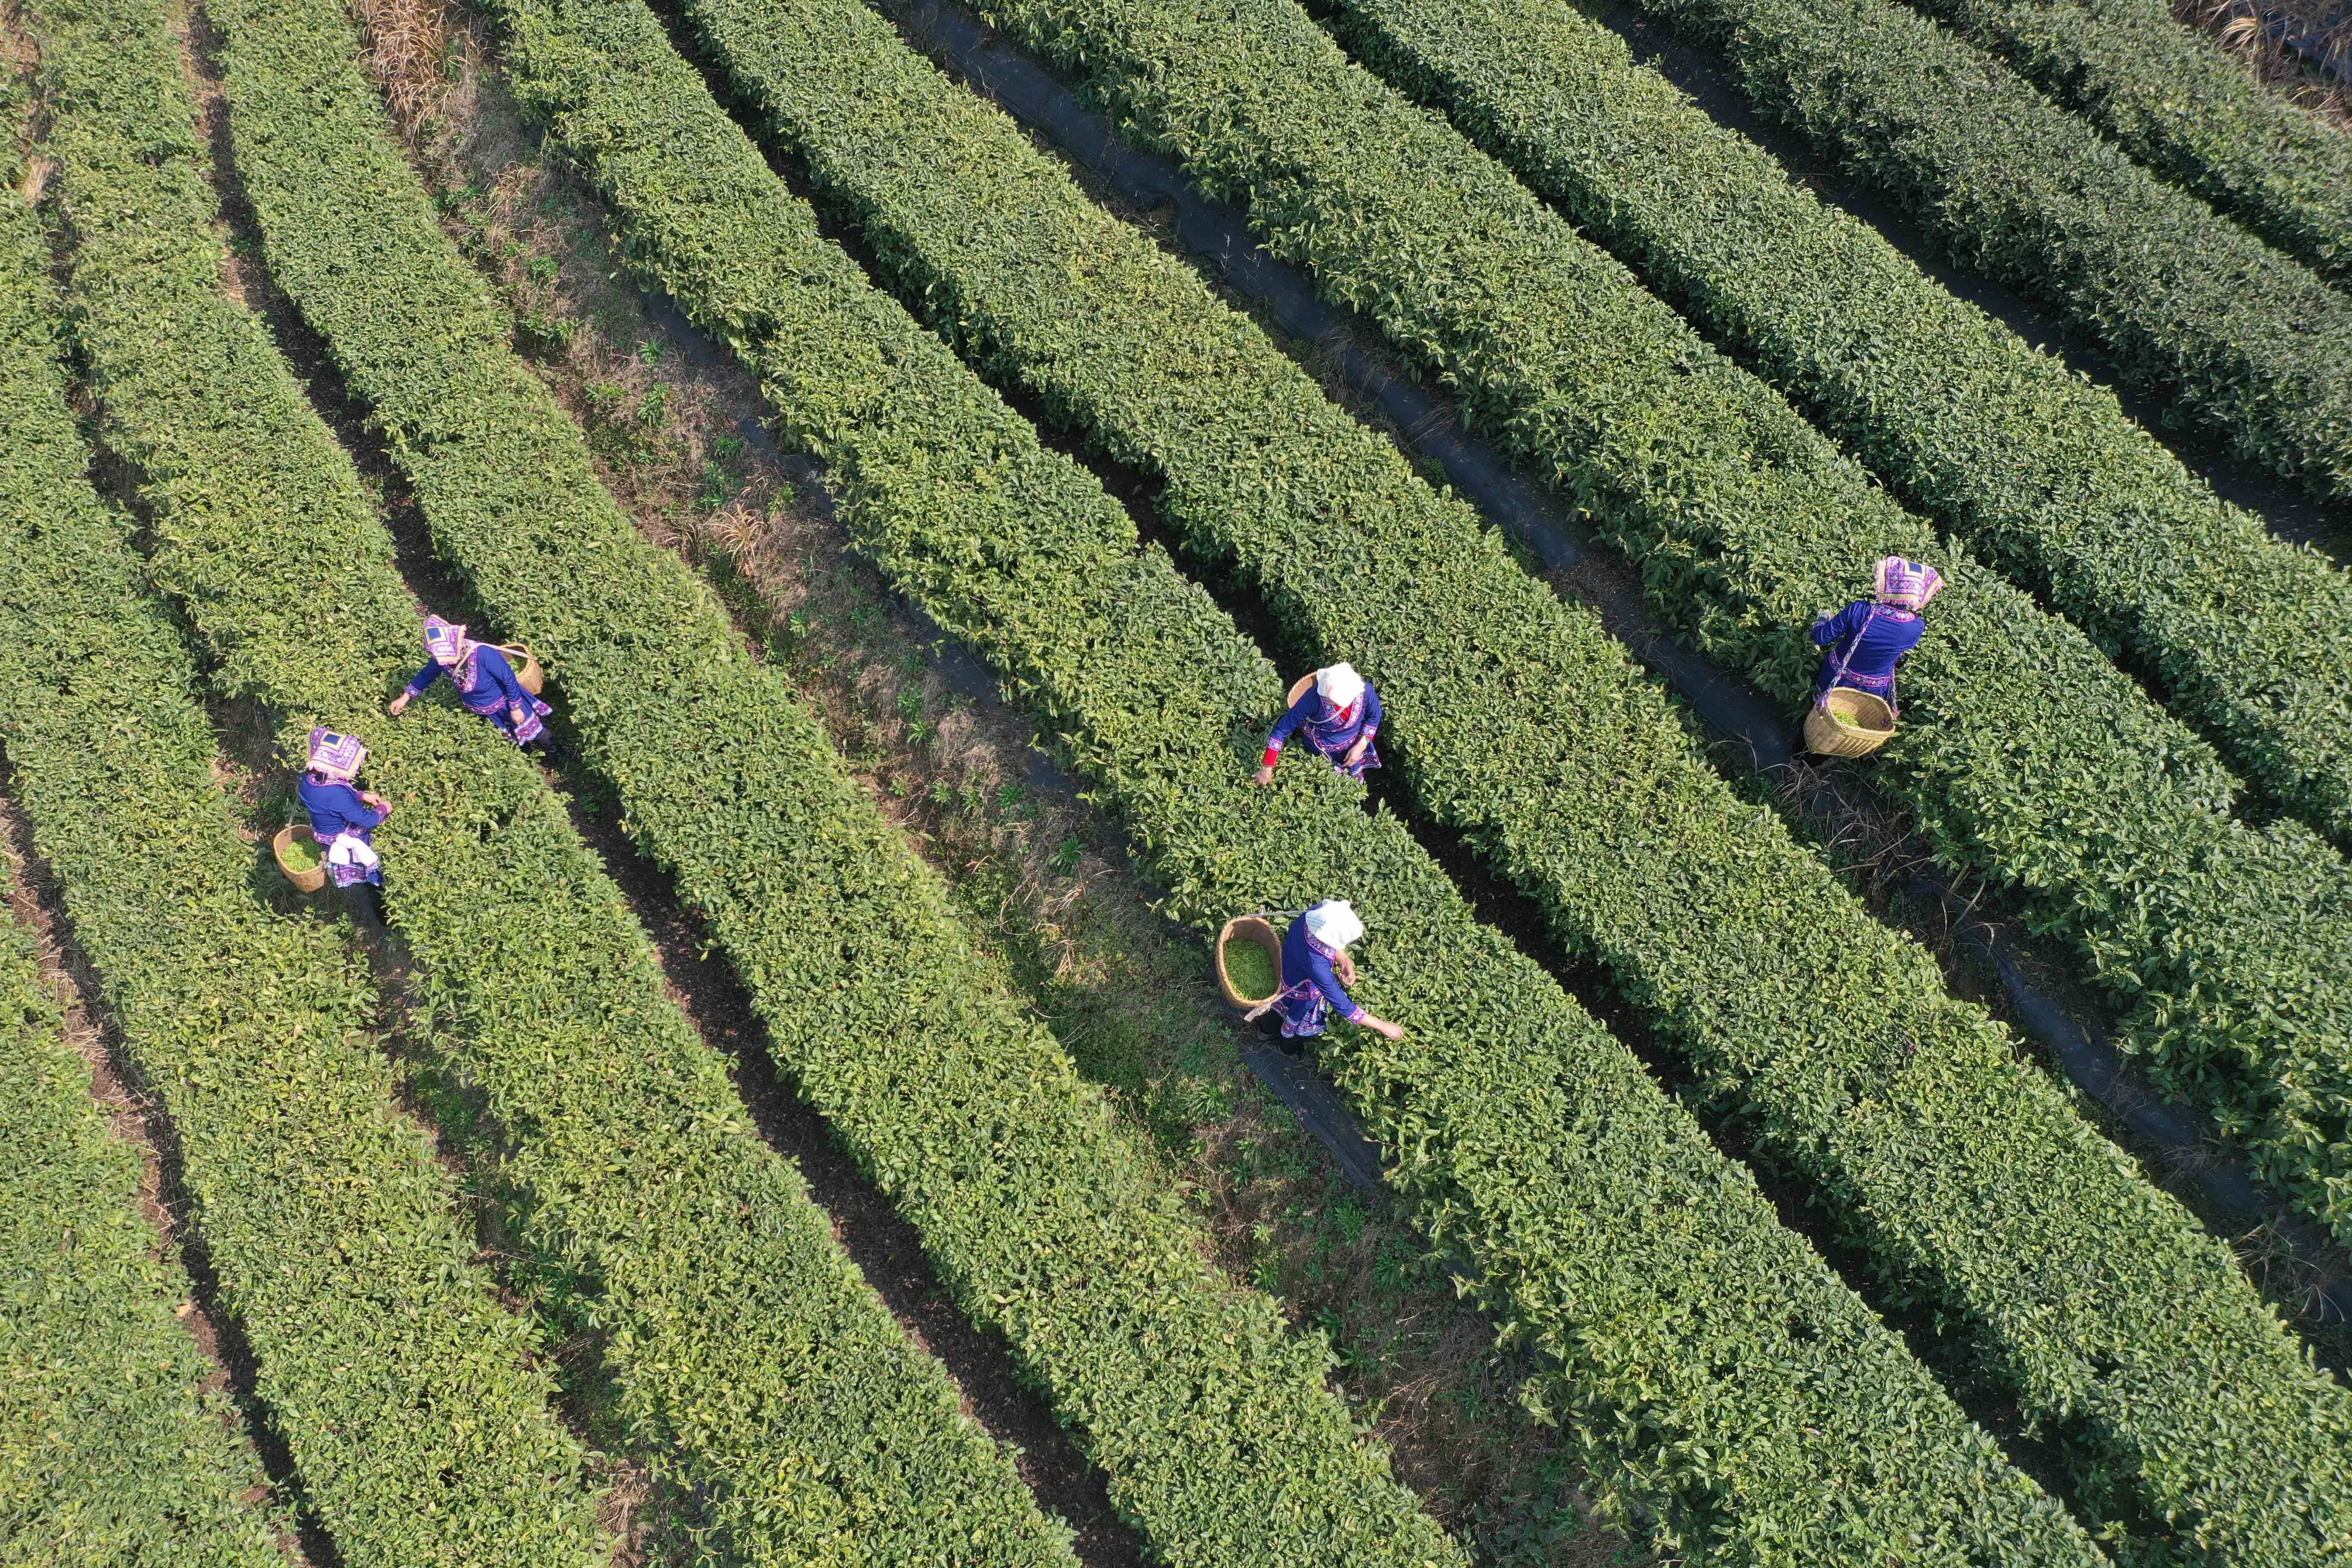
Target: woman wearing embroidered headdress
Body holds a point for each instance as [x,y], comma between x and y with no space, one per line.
[486,684]
[1339,714]
[1316,973]
[1869,638]
[344,817]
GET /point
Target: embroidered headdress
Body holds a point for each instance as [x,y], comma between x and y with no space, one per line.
[1340,685]
[449,646]
[444,643]
[1908,585]
[336,758]
[1333,923]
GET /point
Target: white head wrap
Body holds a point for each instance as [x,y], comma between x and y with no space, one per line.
[1334,924]
[1340,685]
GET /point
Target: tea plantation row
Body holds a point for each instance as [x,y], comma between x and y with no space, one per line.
[1518,719]
[109,1451]
[1716,1368]
[408,1398]
[745,1355]
[2184,108]
[2036,468]
[1212,1422]
[2195,314]
[2028,756]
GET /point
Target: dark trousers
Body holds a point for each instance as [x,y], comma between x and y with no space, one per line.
[366,901]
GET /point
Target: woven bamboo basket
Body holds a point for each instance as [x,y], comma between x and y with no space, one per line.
[526,669]
[1247,928]
[1848,723]
[1299,689]
[308,881]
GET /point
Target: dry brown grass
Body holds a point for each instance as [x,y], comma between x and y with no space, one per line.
[2237,26]
[408,44]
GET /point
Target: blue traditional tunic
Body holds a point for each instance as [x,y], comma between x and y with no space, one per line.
[1870,639]
[336,809]
[486,684]
[1330,732]
[1310,986]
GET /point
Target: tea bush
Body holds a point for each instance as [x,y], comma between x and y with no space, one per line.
[2038,468]
[1711,1364]
[2026,754]
[1515,718]
[748,1357]
[2182,108]
[413,1408]
[1212,1421]
[111,1453]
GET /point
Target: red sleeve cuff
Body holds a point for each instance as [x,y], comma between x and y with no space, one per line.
[1271,752]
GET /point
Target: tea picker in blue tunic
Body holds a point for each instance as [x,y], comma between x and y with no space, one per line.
[1869,638]
[485,681]
[1316,973]
[1339,714]
[343,819]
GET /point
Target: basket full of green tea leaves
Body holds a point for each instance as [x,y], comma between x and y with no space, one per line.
[297,856]
[1249,961]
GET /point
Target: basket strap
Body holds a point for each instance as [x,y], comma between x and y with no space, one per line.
[1852,647]
[1263,1008]
[1271,1003]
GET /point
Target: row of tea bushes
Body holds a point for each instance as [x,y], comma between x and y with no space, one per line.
[1212,1423]
[2037,469]
[410,1404]
[2231,339]
[1713,1365]
[1519,720]
[2026,754]
[2184,108]
[747,1357]
[111,1453]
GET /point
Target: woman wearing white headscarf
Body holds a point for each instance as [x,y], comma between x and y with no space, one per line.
[1316,971]
[1339,714]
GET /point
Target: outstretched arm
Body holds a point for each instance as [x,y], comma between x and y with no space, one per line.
[1831,628]
[417,685]
[1284,728]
